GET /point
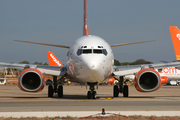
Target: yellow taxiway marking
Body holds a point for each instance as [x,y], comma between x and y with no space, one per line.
[109,98]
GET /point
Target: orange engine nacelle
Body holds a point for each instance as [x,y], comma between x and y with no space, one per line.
[164,80]
[147,80]
[31,80]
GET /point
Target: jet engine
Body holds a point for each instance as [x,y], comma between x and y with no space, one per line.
[147,80]
[31,80]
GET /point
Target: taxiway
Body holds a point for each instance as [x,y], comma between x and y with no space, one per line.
[167,98]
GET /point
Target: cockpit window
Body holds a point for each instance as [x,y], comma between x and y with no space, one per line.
[92,51]
[98,51]
[104,51]
[87,51]
[79,52]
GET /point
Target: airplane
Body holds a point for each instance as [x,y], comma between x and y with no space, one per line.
[90,61]
[166,73]
[172,73]
[175,35]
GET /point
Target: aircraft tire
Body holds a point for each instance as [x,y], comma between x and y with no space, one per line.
[125,91]
[60,91]
[94,95]
[116,91]
[50,91]
[89,95]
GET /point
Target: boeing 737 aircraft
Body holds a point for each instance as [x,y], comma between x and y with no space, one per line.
[90,61]
[166,73]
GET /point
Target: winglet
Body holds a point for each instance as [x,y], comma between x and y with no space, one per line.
[53,60]
[175,35]
[85,27]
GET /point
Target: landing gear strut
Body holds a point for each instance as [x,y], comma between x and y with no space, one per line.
[121,88]
[91,94]
[56,89]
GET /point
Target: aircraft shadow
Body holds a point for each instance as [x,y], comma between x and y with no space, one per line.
[73,97]
[29,97]
[84,97]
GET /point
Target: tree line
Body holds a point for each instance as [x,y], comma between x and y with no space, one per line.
[35,63]
[137,62]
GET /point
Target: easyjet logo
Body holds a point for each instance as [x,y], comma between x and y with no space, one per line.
[169,70]
[178,36]
[55,60]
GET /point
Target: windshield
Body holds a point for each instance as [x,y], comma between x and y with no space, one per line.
[92,51]
[87,51]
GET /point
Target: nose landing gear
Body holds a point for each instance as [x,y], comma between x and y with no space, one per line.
[91,94]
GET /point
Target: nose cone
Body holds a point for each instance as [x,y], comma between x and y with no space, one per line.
[94,69]
[91,65]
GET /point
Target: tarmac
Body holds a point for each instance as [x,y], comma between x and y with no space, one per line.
[16,103]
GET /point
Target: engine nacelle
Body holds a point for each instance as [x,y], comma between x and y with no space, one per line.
[147,80]
[31,80]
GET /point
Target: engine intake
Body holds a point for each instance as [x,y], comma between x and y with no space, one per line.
[31,80]
[147,80]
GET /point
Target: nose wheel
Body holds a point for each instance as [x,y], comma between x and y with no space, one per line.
[91,94]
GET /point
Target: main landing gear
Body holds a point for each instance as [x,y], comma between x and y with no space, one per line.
[121,88]
[91,94]
[54,88]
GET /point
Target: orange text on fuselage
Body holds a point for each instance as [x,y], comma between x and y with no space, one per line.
[169,71]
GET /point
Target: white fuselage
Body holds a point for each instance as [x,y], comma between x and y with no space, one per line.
[90,59]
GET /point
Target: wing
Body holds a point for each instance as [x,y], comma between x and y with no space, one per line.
[32,79]
[146,78]
[124,44]
[134,69]
[61,46]
[44,69]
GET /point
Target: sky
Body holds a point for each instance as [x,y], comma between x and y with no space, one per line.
[61,22]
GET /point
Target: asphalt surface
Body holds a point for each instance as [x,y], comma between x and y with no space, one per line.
[12,99]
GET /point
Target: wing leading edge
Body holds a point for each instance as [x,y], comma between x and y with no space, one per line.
[61,46]
[129,70]
[124,44]
[49,70]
